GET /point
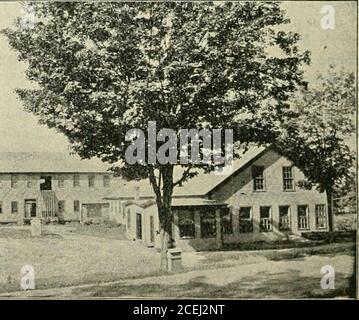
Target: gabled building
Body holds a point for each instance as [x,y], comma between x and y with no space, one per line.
[258,200]
[52,186]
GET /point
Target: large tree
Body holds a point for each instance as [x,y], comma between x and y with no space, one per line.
[105,68]
[319,135]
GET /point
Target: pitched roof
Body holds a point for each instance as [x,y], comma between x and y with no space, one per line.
[48,162]
[198,186]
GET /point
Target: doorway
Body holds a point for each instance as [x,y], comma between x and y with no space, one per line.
[30,208]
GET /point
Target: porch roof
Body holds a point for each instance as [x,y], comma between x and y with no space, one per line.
[177,202]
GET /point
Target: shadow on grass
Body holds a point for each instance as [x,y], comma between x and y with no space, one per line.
[289,285]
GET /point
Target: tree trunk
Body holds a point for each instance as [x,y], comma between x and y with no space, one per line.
[166,238]
[164,201]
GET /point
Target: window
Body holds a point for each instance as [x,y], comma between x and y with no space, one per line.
[106,181]
[76,206]
[13,181]
[186,223]
[258,178]
[76,181]
[226,221]
[61,206]
[128,219]
[284,218]
[245,220]
[14,207]
[303,217]
[30,183]
[265,219]
[288,181]
[208,223]
[320,216]
[61,182]
[91,181]
[0,207]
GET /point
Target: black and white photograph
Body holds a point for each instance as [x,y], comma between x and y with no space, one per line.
[178,150]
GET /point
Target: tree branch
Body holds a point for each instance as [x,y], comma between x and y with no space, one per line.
[187,174]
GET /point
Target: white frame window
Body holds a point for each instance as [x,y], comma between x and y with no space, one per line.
[91,180]
[265,218]
[245,219]
[76,180]
[258,178]
[186,224]
[284,218]
[320,216]
[14,181]
[303,219]
[288,178]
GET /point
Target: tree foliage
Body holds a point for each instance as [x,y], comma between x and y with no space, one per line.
[316,137]
[103,68]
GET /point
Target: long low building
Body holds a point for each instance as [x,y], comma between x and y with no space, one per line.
[52,186]
[259,200]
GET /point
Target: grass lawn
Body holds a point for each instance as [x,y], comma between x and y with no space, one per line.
[72,254]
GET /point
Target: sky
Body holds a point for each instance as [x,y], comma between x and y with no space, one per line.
[20,131]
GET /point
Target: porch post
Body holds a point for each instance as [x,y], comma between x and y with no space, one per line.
[175,228]
[197,224]
[218,228]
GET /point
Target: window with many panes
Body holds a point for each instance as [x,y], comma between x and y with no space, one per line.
[76,180]
[91,178]
[258,178]
[13,181]
[106,181]
[303,217]
[284,218]
[245,220]
[288,180]
[14,207]
[320,216]
[208,223]
[265,224]
[186,223]
[61,182]
[226,221]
